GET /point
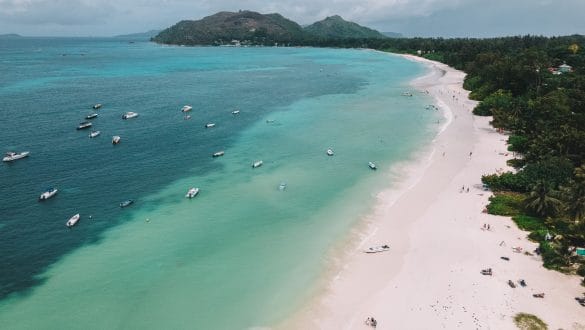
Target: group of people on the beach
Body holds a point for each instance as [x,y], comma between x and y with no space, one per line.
[463,189]
[371,321]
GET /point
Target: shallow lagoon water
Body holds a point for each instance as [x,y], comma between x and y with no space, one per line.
[240,254]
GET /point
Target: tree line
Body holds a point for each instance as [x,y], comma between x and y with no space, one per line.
[534,87]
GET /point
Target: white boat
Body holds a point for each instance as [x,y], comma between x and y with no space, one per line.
[235,112]
[48,194]
[97,106]
[73,220]
[218,154]
[282,186]
[83,125]
[94,134]
[372,165]
[329,152]
[192,192]
[186,108]
[129,115]
[377,249]
[257,164]
[210,125]
[10,156]
[127,203]
[91,116]
[115,139]
[187,117]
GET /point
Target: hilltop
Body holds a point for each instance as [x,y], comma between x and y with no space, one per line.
[223,27]
[252,28]
[337,27]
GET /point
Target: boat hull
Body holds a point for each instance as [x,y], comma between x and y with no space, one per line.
[16,157]
[73,220]
[48,194]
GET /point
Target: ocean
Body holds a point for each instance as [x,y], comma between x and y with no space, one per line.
[250,248]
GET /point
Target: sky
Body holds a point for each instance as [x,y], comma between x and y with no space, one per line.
[426,18]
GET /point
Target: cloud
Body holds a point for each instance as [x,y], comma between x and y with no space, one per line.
[59,12]
[413,17]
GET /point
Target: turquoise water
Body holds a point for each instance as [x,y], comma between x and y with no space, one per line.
[239,255]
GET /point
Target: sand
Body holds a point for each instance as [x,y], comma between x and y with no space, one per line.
[430,278]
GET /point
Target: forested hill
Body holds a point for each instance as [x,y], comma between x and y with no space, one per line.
[252,28]
[223,27]
[337,27]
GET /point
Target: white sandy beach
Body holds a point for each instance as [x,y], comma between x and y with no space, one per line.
[430,278]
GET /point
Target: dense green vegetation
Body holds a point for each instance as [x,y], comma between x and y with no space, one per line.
[520,82]
[337,27]
[252,28]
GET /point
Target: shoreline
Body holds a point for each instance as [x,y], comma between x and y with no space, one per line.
[430,277]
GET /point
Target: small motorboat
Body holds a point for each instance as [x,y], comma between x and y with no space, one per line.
[372,165]
[192,192]
[91,116]
[12,156]
[186,108]
[282,186]
[235,112]
[127,203]
[115,139]
[94,134]
[50,192]
[218,154]
[377,249]
[97,106]
[84,125]
[73,220]
[257,164]
[329,152]
[209,125]
[129,115]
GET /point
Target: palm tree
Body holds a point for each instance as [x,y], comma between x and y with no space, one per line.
[542,200]
[574,196]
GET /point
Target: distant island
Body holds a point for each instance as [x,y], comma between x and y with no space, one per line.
[142,35]
[10,35]
[252,28]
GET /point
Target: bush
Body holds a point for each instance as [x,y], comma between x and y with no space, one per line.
[516,163]
[501,100]
[551,257]
[518,143]
[506,182]
[529,322]
[507,204]
[529,223]
[581,270]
